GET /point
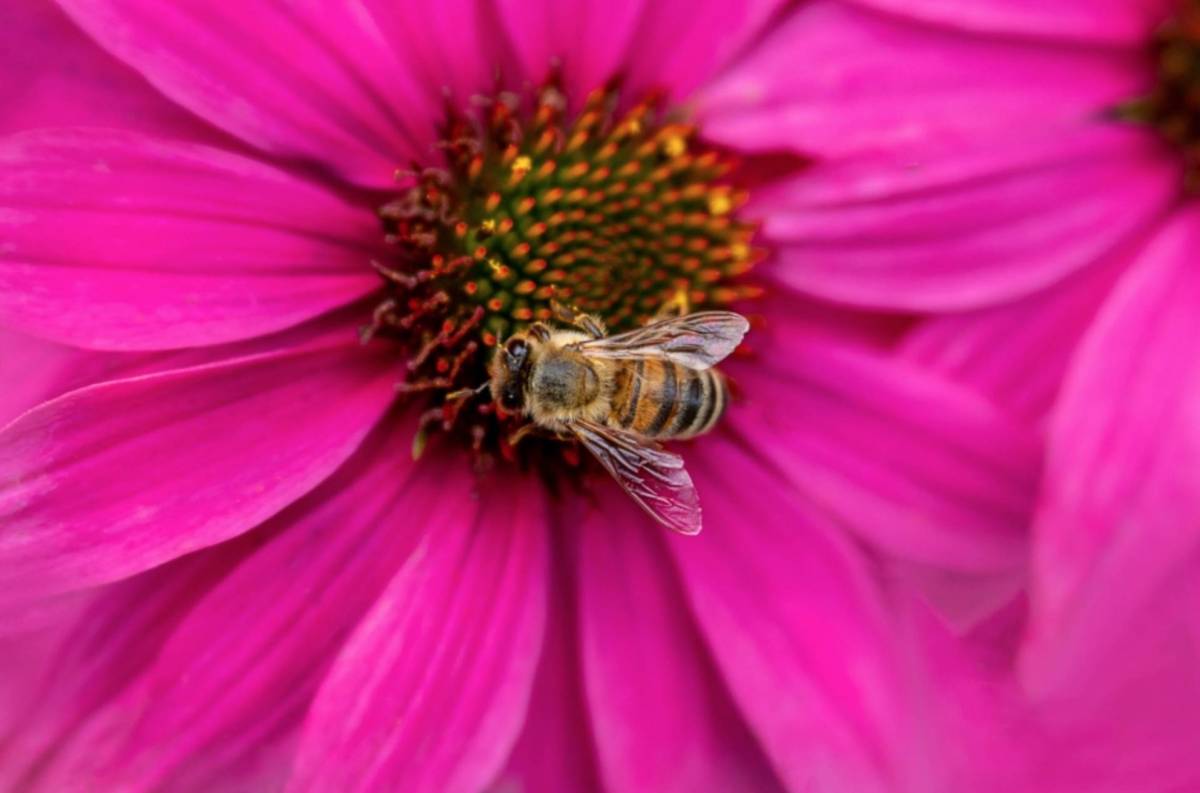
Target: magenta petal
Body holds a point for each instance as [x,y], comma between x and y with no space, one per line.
[919,467]
[452,47]
[429,693]
[167,244]
[282,616]
[40,614]
[114,638]
[961,601]
[1126,721]
[674,45]
[956,229]
[1097,21]
[38,371]
[35,370]
[30,369]
[797,631]
[1120,508]
[680,44]
[589,38]
[1017,352]
[24,657]
[555,752]
[54,75]
[163,464]
[661,716]
[317,81]
[873,83]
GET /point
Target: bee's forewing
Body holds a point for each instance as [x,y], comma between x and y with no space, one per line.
[696,341]
[655,478]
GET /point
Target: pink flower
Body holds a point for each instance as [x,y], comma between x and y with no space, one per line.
[1024,168]
[222,568]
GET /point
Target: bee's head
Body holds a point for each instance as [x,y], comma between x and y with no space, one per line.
[509,371]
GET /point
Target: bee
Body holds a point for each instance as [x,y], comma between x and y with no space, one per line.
[619,395]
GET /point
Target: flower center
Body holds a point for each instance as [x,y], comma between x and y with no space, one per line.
[620,215]
[1173,107]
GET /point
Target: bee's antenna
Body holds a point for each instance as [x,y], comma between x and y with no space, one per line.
[466,393]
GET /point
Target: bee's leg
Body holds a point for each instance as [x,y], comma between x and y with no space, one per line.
[463,393]
[525,430]
[677,306]
[540,332]
[522,431]
[570,315]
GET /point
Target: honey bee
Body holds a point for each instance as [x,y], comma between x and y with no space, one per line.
[619,395]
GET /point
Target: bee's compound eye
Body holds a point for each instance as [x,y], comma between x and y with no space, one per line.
[516,352]
[517,348]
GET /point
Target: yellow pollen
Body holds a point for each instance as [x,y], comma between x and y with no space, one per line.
[488,224]
[678,304]
[719,203]
[522,165]
[674,145]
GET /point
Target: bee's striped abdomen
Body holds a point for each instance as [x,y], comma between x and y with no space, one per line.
[658,398]
[699,415]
